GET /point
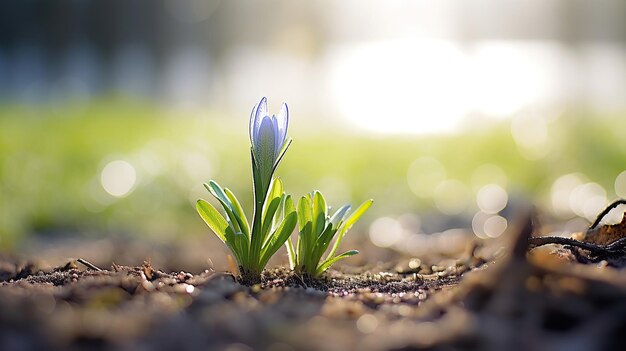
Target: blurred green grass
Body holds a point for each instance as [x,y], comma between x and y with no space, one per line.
[52,158]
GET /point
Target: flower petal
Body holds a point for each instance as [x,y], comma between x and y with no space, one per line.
[261,112]
[278,142]
[253,123]
[283,122]
[264,144]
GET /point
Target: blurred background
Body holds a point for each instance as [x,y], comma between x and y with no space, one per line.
[453,115]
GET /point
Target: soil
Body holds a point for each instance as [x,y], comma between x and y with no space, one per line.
[511,299]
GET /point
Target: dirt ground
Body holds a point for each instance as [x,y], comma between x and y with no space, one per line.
[553,297]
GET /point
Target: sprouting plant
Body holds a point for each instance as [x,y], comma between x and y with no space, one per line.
[274,216]
[316,231]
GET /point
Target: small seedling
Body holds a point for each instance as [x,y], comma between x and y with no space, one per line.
[274,216]
[316,232]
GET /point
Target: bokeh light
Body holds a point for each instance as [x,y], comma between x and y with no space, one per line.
[561,193]
[620,185]
[492,198]
[118,178]
[588,199]
[487,225]
[494,226]
[386,231]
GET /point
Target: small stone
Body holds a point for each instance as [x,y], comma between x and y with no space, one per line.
[415,263]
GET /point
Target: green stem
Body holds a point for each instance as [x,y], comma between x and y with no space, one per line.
[261,187]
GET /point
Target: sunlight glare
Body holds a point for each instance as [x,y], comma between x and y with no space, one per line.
[401,86]
[432,86]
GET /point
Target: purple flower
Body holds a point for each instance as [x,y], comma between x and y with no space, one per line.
[268,135]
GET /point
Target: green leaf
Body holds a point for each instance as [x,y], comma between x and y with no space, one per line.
[356,215]
[319,221]
[278,238]
[256,177]
[286,207]
[291,253]
[217,191]
[339,215]
[348,223]
[289,207]
[238,245]
[304,212]
[236,242]
[329,262]
[280,212]
[269,217]
[319,213]
[275,191]
[303,238]
[238,210]
[212,218]
[323,241]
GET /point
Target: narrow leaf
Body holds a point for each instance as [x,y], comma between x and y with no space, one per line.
[278,238]
[238,210]
[339,215]
[291,253]
[303,239]
[348,223]
[275,191]
[319,213]
[326,264]
[304,212]
[280,212]
[289,207]
[319,220]
[212,218]
[238,245]
[323,241]
[217,192]
[269,217]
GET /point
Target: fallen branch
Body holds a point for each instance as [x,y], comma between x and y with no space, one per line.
[615,248]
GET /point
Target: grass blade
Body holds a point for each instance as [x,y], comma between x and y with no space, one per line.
[347,224]
[329,262]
